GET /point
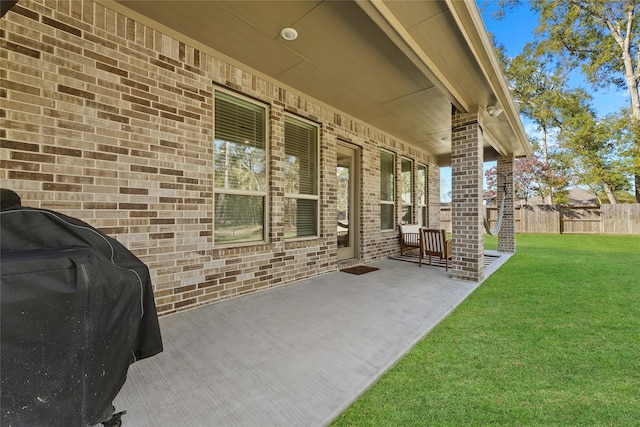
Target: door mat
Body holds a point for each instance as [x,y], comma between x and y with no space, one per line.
[359,269]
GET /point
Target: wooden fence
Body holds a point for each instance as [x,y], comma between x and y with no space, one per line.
[558,219]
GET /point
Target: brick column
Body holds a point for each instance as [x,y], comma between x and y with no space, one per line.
[467,209]
[507,234]
[433,195]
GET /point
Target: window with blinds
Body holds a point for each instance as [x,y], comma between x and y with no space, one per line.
[240,175]
[422,195]
[387,192]
[301,178]
[406,180]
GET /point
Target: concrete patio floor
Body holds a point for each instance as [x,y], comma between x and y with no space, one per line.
[295,355]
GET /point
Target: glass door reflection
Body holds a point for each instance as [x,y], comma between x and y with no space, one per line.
[346,180]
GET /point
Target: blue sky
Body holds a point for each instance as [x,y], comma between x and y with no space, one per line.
[514,31]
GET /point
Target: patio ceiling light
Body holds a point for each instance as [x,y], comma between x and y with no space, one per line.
[289,34]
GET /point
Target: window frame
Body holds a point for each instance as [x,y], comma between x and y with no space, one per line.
[304,196]
[239,192]
[422,202]
[391,202]
[410,203]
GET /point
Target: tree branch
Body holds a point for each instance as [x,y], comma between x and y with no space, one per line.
[630,15]
[572,48]
[587,8]
[613,27]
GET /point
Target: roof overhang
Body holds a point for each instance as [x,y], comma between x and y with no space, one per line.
[394,64]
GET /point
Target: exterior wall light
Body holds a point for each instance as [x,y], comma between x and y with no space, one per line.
[494,111]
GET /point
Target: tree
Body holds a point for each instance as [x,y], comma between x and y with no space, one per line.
[602,37]
[535,88]
[599,149]
[542,91]
[531,178]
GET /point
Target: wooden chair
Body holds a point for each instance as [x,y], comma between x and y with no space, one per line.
[409,237]
[433,242]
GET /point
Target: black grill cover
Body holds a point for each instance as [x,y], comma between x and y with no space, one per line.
[77,309]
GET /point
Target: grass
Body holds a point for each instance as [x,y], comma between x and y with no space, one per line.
[551,339]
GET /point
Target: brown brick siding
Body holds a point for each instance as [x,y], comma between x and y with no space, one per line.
[110,121]
[466,197]
[507,233]
[433,196]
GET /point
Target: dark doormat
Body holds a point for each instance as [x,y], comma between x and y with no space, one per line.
[359,269]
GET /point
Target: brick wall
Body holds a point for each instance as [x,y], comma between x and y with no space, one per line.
[433,196]
[107,120]
[466,197]
[507,233]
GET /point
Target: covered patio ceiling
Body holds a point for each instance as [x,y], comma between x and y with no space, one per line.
[397,65]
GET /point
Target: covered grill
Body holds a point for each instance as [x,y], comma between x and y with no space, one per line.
[77,309]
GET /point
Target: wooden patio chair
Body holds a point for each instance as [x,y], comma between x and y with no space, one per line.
[433,242]
[409,237]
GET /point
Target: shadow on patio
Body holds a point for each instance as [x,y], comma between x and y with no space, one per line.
[296,355]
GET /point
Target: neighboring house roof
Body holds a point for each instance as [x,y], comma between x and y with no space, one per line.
[580,196]
[394,64]
[577,196]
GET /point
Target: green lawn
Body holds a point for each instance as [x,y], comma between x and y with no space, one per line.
[551,339]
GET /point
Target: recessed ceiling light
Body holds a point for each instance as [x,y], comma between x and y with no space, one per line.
[289,34]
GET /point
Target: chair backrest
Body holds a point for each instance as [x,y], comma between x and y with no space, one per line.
[409,228]
[433,241]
